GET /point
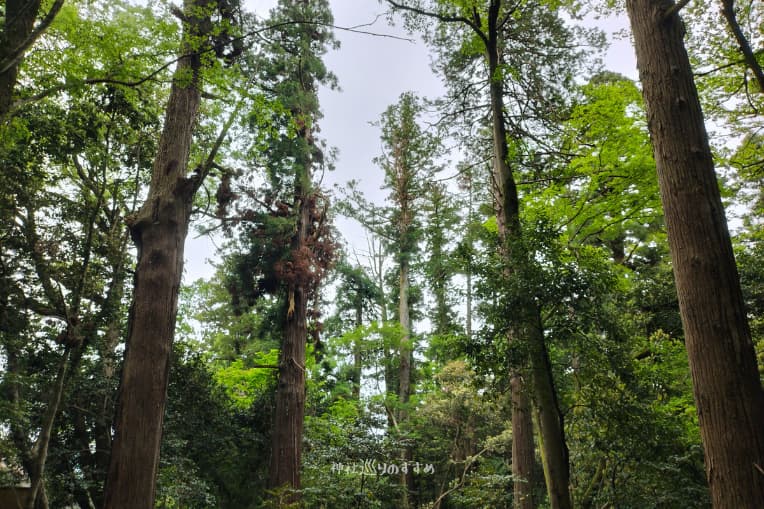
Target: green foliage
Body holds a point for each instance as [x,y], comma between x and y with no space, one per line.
[243,386]
[216,440]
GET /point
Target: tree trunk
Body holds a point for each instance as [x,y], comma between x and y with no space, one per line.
[286,452]
[506,203]
[159,231]
[19,19]
[404,372]
[18,34]
[522,445]
[549,417]
[726,384]
[290,397]
[357,359]
[404,375]
[507,217]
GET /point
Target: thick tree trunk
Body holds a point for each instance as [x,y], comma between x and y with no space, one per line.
[159,231]
[726,385]
[506,203]
[286,451]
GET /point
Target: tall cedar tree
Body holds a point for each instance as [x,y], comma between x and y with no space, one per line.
[489,23]
[285,234]
[726,383]
[159,230]
[406,160]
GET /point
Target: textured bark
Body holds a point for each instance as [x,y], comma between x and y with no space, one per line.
[159,232]
[726,384]
[286,453]
[522,445]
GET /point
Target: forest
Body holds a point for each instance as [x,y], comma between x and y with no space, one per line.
[554,301]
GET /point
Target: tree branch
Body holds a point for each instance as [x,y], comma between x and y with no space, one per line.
[201,172]
[137,82]
[18,53]
[728,11]
[674,9]
[445,18]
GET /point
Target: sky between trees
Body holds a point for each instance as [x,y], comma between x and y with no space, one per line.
[373,70]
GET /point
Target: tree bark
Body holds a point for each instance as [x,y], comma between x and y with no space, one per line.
[159,232]
[286,452]
[726,384]
[522,444]
[527,320]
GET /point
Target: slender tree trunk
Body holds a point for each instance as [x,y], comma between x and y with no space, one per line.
[555,456]
[391,384]
[404,375]
[159,231]
[506,202]
[726,384]
[357,360]
[39,453]
[506,207]
[404,372]
[522,444]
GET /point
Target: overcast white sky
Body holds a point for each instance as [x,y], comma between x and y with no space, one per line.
[372,73]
